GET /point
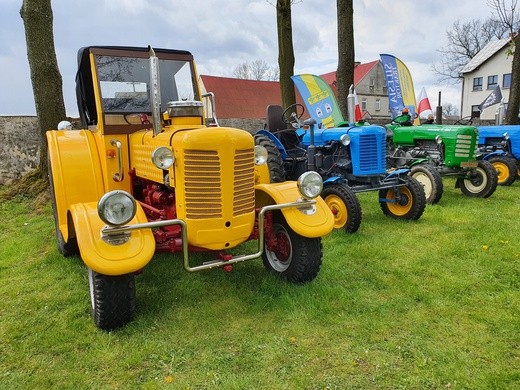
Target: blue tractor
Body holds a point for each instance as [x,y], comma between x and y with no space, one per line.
[500,145]
[350,157]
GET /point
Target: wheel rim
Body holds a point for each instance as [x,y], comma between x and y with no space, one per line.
[339,210]
[425,181]
[280,257]
[403,205]
[502,171]
[477,182]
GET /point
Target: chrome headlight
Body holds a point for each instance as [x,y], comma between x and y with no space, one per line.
[506,136]
[310,185]
[116,208]
[345,139]
[64,125]
[438,139]
[260,155]
[162,157]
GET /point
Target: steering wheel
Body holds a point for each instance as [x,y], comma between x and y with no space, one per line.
[292,114]
[143,118]
[467,120]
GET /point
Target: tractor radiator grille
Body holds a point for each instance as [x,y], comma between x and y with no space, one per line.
[244,181]
[203,184]
[369,153]
[463,146]
[203,173]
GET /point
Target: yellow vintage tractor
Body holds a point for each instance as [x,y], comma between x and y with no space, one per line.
[146,174]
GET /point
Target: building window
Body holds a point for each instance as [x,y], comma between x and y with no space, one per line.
[475,112]
[378,104]
[506,82]
[477,84]
[492,81]
[364,104]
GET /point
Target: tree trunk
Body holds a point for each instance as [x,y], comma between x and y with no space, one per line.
[513,106]
[346,54]
[45,75]
[285,51]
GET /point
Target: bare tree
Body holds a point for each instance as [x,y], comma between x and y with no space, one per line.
[448,109]
[509,16]
[465,40]
[256,70]
[346,53]
[45,75]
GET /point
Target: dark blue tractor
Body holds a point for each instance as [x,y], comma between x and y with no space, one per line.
[500,145]
[351,158]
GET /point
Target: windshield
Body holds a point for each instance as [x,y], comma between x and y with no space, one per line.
[125,83]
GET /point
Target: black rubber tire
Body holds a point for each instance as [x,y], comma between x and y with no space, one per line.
[112,299]
[274,158]
[414,200]
[506,169]
[66,248]
[482,181]
[296,258]
[345,207]
[431,180]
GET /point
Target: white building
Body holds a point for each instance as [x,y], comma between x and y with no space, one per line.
[489,68]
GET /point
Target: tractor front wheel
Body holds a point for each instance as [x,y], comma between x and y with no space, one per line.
[112,299]
[481,182]
[290,255]
[431,181]
[506,170]
[404,202]
[344,205]
[274,158]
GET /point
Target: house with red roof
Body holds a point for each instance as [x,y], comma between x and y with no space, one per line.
[242,103]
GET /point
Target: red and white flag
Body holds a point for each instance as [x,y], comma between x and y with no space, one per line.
[357,111]
[423,105]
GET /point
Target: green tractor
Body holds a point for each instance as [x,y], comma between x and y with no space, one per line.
[432,151]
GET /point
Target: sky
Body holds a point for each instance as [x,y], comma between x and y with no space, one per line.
[222,34]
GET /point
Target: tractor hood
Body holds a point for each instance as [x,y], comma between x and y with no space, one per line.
[408,135]
[323,136]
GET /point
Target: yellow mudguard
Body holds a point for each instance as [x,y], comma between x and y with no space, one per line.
[109,259]
[314,225]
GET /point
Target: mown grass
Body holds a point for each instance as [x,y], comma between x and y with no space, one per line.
[432,304]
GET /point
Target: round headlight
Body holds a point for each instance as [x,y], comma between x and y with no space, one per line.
[64,125]
[506,136]
[310,185]
[162,157]
[116,207]
[438,139]
[260,155]
[345,139]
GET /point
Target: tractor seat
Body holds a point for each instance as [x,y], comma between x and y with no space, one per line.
[276,126]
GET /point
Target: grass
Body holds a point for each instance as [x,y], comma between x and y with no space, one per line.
[430,304]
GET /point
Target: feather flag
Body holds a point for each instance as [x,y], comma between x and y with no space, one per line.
[423,105]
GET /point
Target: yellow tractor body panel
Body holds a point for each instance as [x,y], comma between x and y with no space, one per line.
[110,259]
[76,171]
[312,225]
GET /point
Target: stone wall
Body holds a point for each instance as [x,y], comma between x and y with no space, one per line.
[19,147]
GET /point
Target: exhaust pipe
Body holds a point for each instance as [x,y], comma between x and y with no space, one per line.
[155,89]
[351,105]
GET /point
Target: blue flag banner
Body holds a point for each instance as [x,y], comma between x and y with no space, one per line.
[399,84]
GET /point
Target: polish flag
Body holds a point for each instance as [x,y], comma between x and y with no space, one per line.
[357,111]
[423,106]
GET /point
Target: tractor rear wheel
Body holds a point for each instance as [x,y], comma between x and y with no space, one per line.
[344,205]
[481,182]
[404,202]
[292,256]
[431,181]
[274,159]
[112,299]
[506,169]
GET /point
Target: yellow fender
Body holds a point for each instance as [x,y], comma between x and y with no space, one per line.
[110,259]
[76,172]
[315,225]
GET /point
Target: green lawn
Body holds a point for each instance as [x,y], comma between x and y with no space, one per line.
[430,304]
